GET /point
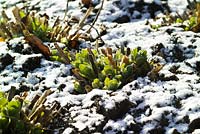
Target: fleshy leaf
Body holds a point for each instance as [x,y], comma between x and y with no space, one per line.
[86,71]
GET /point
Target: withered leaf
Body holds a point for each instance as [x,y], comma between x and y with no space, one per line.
[36,42]
[62,54]
[86,3]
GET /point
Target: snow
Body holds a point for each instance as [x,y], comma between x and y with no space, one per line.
[68,131]
[196,131]
[153,100]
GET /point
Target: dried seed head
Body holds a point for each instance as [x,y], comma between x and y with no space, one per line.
[86,3]
[128,51]
[109,51]
[104,52]
[125,60]
[112,62]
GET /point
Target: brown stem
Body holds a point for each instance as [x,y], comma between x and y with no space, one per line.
[98,13]
[62,54]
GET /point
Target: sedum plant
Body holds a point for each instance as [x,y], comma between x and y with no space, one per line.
[10,120]
[18,116]
[107,69]
[189,20]
[37,29]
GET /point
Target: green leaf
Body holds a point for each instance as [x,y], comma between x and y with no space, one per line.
[83,55]
[101,76]
[134,53]
[78,88]
[108,71]
[64,40]
[54,52]
[22,14]
[128,71]
[2,94]
[14,108]
[118,77]
[192,21]
[20,126]
[103,61]
[141,58]
[3,102]
[106,81]
[111,84]
[4,121]
[96,83]
[86,71]
[37,129]
[179,20]
[81,58]
[118,56]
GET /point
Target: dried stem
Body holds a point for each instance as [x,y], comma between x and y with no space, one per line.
[11,93]
[81,23]
[62,54]
[98,13]
[92,61]
[40,101]
[66,9]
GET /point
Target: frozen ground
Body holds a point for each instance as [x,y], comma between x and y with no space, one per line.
[170,105]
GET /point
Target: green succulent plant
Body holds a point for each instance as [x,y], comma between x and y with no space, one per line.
[18,116]
[10,118]
[30,22]
[189,20]
[108,70]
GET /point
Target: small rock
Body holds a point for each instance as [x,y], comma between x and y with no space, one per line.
[157,130]
[61,87]
[136,127]
[122,19]
[31,63]
[27,50]
[158,48]
[23,88]
[168,78]
[164,121]
[169,31]
[197,66]
[17,48]
[153,8]
[5,60]
[178,53]
[176,102]
[175,131]
[194,124]
[118,111]
[174,69]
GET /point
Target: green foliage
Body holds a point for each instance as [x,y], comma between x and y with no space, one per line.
[108,70]
[11,120]
[189,20]
[37,25]
[31,23]
[16,116]
[55,55]
[86,71]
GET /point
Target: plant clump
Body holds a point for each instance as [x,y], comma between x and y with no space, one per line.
[37,29]
[107,69]
[189,20]
[17,115]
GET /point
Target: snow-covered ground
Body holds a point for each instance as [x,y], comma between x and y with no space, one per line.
[170,105]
